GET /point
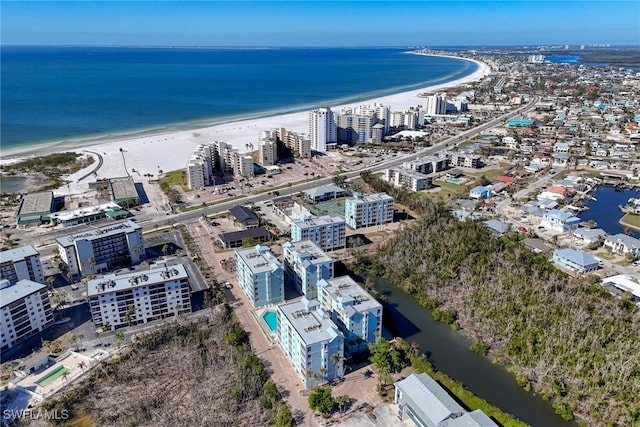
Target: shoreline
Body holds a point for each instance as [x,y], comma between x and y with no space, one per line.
[168,148]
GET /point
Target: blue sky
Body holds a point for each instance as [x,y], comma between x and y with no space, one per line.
[325,23]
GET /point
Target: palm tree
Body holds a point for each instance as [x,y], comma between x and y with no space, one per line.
[82,365]
[80,337]
[74,340]
[50,281]
[65,376]
[119,339]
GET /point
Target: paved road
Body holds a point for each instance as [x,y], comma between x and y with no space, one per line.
[193,215]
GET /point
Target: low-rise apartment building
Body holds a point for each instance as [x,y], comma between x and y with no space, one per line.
[25,309]
[313,344]
[357,314]
[305,264]
[328,232]
[260,275]
[102,249]
[21,263]
[117,301]
[364,210]
[407,178]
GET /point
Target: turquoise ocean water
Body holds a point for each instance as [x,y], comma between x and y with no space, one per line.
[61,93]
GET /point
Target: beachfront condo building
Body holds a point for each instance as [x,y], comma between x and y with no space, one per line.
[313,343]
[327,232]
[435,104]
[268,148]
[260,275]
[299,144]
[357,314]
[407,178]
[305,264]
[322,129]
[358,124]
[411,118]
[21,263]
[25,309]
[216,157]
[365,210]
[117,301]
[200,167]
[102,249]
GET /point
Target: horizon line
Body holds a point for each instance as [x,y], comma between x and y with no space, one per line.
[159,46]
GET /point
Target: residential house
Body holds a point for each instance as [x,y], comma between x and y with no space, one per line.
[560,221]
[579,261]
[480,192]
[622,244]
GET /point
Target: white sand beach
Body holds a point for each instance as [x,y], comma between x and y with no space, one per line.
[170,151]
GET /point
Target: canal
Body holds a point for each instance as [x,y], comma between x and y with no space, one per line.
[448,351]
[604,210]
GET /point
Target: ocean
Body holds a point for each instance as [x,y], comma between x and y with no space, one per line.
[60,93]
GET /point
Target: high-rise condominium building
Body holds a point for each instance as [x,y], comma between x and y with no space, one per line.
[364,210]
[25,309]
[354,310]
[313,343]
[322,129]
[260,275]
[305,264]
[161,291]
[21,263]
[327,232]
[102,249]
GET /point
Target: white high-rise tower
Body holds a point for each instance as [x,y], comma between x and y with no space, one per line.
[322,128]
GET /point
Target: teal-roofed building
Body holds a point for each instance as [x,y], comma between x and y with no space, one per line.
[35,208]
[519,121]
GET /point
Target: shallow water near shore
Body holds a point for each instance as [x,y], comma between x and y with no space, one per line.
[51,94]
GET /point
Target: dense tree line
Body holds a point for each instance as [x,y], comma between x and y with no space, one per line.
[198,373]
[565,338]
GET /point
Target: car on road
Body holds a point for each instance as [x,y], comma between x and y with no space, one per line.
[74,287]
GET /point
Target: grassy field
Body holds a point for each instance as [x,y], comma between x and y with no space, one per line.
[176,177]
[604,255]
[630,220]
[489,174]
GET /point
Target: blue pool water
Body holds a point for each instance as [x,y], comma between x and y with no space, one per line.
[271,318]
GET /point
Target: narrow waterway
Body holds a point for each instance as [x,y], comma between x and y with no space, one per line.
[448,351]
[604,210]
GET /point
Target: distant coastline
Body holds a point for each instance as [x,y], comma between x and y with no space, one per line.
[81,137]
[167,149]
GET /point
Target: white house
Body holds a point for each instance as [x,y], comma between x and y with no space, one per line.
[622,244]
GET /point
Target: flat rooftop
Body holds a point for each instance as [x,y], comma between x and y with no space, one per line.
[157,274]
[110,230]
[36,203]
[365,198]
[322,190]
[18,254]
[410,172]
[315,221]
[347,292]
[259,259]
[625,282]
[309,325]
[123,188]
[84,211]
[21,289]
[308,251]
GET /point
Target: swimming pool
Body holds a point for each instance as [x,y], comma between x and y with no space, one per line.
[52,376]
[271,318]
[454,180]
